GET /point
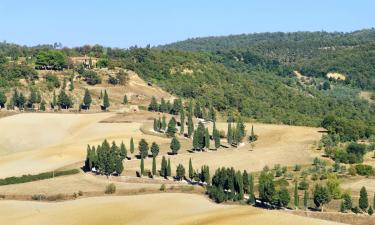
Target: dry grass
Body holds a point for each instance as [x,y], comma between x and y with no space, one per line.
[186,209]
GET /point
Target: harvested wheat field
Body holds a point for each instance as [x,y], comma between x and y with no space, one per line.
[144,209]
[39,142]
[52,141]
[277,144]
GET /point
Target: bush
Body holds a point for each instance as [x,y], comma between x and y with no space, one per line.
[162,187]
[110,189]
[364,170]
[297,167]
[41,176]
[38,197]
[52,81]
[303,185]
[91,77]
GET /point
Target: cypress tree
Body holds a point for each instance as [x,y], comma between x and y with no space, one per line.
[101,94]
[169,107]
[182,120]
[296,197]
[154,165]
[363,199]
[154,149]
[245,178]
[142,166]
[64,101]
[163,167]
[164,123]
[229,134]
[190,125]
[131,145]
[169,170]
[201,135]
[71,85]
[143,148]
[198,111]
[54,100]
[153,104]
[175,145]
[180,172]
[305,199]
[3,99]
[216,135]
[373,202]
[207,139]
[87,99]
[123,151]
[195,141]
[43,105]
[155,127]
[171,127]
[125,100]
[191,170]
[105,100]
[212,114]
[163,107]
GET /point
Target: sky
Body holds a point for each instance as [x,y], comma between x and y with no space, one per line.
[139,22]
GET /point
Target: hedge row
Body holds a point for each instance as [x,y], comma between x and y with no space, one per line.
[40,176]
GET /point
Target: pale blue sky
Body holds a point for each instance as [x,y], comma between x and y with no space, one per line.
[140,22]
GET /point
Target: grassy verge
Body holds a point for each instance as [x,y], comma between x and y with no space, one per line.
[40,176]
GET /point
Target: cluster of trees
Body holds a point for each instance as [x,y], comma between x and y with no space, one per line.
[236,134]
[105,158]
[121,78]
[20,101]
[363,203]
[166,106]
[51,60]
[351,153]
[228,184]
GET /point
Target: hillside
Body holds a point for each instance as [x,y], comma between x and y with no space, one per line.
[313,53]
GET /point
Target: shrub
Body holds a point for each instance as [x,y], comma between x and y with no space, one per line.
[41,176]
[38,197]
[52,81]
[110,189]
[162,187]
[297,167]
[352,171]
[303,185]
[91,77]
[364,170]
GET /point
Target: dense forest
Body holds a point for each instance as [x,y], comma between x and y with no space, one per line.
[245,75]
[313,53]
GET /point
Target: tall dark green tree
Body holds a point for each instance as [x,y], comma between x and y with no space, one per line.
[171,131]
[64,101]
[143,148]
[125,100]
[266,187]
[87,99]
[305,199]
[321,196]
[154,149]
[251,190]
[153,105]
[153,165]
[180,172]
[190,125]
[163,106]
[229,134]
[106,103]
[164,123]
[142,166]
[363,199]
[216,136]
[198,110]
[191,169]
[182,120]
[164,167]
[3,99]
[206,139]
[123,151]
[245,178]
[283,197]
[296,196]
[131,145]
[175,145]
